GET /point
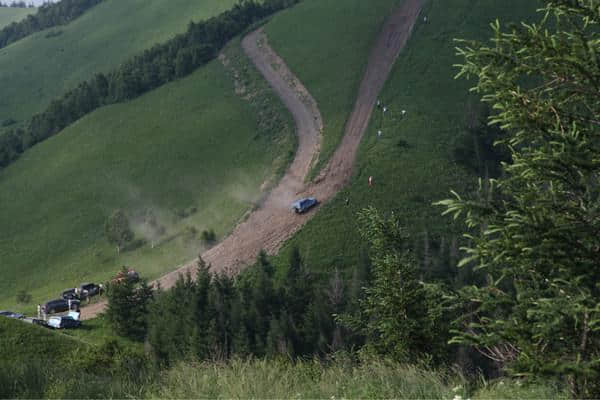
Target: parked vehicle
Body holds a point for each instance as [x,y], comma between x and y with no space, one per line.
[69,294]
[131,274]
[63,322]
[89,289]
[34,321]
[304,205]
[10,314]
[59,305]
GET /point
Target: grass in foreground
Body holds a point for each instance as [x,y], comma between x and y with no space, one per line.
[515,389]
[98,331]
[277,379]
[41,67]
[21,342]
[339,379]
[39,363]
[326,43]
[9,15]
[193,152]
[413,162]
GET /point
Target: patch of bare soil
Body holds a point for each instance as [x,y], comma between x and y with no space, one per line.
[273,222]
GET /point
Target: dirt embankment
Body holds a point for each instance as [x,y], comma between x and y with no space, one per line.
[273,222]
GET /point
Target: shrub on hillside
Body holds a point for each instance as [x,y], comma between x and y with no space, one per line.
[117,230]
[209,237]
[23,297]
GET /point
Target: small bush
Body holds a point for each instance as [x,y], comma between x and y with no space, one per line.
[23,297]
[209,236]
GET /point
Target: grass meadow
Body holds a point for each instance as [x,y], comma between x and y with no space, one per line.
[9,15]
[282,379]
[42,66]
[326,43]
[39,363]
[21,343]
[412,163]
[192,153]
[340,378]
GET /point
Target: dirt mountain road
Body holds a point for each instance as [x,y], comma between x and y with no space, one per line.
[273,222]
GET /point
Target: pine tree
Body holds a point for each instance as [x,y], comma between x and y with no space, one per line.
[221,298]
[298,291]
[535,232]
[128,305]
[117,229]
[277,341]
[397,314]
[203,312]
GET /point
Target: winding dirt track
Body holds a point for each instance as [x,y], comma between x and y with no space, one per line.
[273,222]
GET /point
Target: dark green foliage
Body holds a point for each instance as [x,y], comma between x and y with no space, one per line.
[400,316]
[535,232]
[128,304]
[168,321]
[209,236]
[11,146]
[154,67]
[111,358]
[475,148]
[47,16]
[26,380]
[36,362]
[219,317]
[117,229]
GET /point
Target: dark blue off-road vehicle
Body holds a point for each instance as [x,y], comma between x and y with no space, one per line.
[303,205]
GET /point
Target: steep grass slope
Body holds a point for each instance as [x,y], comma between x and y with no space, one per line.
[413,162]
[9,15]
[38,363]
[195,154]
[22,342]
[42,66]
[326,43]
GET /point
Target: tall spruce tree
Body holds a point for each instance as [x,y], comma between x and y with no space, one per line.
[399,316]
[222,297]
[203,312]
[535,232]
[128,305]
[298,292]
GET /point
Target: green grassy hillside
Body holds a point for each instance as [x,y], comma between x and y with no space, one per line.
[413,163]
[193,153]
[327,43]
[9,15]
[30,355]
[44,65]
[22,342]
[38,363]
